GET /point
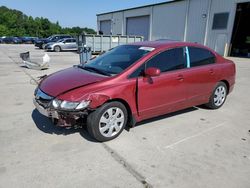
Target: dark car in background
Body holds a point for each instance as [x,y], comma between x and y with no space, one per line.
[41,43]
[28,40]
[11,40]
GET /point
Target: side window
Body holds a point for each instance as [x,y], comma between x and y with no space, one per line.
[55,38]
[199,56]
[169,60]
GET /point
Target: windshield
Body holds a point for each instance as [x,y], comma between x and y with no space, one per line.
[118,59]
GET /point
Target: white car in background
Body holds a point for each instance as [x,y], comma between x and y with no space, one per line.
[61,45]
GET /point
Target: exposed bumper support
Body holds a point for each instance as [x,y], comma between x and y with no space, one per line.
[65,118]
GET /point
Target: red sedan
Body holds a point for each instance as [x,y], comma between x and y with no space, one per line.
[134,82]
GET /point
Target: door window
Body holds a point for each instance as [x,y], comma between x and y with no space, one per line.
[169,60]
[199,56]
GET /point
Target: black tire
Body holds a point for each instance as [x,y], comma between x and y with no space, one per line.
[94,118]
[43,46]
[212,104]
[57,49]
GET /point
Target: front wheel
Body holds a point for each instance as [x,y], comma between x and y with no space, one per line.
[108,121]
[57,48]
[218,96]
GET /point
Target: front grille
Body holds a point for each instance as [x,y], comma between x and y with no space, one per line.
[42,98]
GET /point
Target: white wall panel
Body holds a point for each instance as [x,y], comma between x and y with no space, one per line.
[168,21]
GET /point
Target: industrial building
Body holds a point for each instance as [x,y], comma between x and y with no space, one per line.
[222,25]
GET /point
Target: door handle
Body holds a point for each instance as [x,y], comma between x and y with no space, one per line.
[180,78]
[211,71]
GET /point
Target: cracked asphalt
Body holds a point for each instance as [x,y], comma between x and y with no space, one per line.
[195,147]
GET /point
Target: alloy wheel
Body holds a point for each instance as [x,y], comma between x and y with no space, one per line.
[220,95]
[111,122]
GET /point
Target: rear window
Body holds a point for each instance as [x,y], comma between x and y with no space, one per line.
[199,57]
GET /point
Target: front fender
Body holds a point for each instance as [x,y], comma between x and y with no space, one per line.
[97,100]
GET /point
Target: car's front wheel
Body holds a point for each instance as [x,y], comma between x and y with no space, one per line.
[57,48]
[108,121]
[218,96]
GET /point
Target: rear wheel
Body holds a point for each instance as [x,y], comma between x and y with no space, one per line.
[218,96]
[108,121]
[57,48]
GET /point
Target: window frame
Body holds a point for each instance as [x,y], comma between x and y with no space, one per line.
[192,67]
[158,53]
[224,25]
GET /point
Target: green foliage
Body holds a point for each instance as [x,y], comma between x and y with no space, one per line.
[15,23]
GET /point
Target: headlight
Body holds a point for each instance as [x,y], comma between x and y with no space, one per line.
[82,105]
[56,103]
[69,105]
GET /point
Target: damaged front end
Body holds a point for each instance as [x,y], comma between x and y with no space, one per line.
[62,113]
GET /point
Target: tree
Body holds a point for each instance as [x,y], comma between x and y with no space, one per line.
[15,23]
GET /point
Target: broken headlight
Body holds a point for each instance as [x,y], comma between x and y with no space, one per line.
[67,105]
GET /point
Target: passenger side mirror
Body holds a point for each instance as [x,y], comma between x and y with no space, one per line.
[152,72]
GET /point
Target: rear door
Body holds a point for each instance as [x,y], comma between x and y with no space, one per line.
[67,44]
[167,92]
[201,76]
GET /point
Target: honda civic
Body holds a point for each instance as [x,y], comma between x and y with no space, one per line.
[134,82]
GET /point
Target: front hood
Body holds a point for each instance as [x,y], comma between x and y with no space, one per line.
[68,79]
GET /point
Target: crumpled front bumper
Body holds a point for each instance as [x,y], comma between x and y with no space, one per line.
[46,111]
[65,118]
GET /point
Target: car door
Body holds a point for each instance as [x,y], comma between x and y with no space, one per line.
[167,92]
[67,44]
[201,76]
[74,45]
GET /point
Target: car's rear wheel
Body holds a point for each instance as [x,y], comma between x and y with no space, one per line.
[108,121]
[218,96]
[57,48]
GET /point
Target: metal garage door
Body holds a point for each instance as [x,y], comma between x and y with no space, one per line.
[138,26]
[105,27]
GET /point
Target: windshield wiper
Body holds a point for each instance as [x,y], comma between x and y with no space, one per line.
[93,69]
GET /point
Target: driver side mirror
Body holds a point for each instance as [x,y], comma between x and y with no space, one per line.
[152,72]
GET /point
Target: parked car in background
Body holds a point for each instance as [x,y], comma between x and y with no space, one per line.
[131,83]
[28,40]
[11,40]
[40,43]
[62,45]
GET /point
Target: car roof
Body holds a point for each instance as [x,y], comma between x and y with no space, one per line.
[160,44]
[67,39]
